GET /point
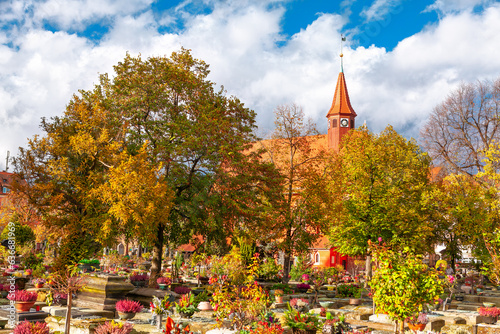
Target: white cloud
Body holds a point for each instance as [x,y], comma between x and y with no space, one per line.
[448,6]
[379,9]
[238,39]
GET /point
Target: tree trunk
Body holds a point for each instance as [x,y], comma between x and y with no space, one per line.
[67,323]
[157,255]
[368,269]
[286,268]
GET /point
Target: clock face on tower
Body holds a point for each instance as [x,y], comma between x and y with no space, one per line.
[344,122]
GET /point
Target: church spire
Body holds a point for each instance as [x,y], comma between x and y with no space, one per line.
[341,114]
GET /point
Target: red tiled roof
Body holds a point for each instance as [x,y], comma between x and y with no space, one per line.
[341,103]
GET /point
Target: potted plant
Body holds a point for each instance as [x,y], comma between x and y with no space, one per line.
[24,300]
[278,294]
[335,325]
[163,282]
[185,306]
[39,282]
[417,322]
[356,296]
[139,280]
[300,305]
[127,308]
[490,314]
[301,323]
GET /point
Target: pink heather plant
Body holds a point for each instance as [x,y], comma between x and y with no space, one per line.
[163,280]
[489,311]
[111,327]
[27,327]
[128,306]
[23,296]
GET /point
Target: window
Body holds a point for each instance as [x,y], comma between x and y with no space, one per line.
[332,259]
[316,258]
[5,190]
[334,123]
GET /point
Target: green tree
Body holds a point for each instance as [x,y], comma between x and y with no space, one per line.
[376,187]
[295,216]
[459,210]
[23,233]
[402,284]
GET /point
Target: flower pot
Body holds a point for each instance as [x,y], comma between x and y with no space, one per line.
[163,286]
[125,315]
[459,298]
[138,284]
[23,306]
[354,301]
[416,327]
[205,306]
[489,320]
[279,299]
[39,285]
[186,314]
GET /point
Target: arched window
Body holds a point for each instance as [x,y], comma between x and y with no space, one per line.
[316,258]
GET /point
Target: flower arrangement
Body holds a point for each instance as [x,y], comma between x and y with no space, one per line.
[27,327]
[39,281]
[139,277]
[302,321]
[263,327]
[298,302]
[186,304]
[163,280]
[182,290]
[112,327]
[128,306]
[489,311]
[339,324]
[23,296]
[421,318]
[278,292]
[160,306]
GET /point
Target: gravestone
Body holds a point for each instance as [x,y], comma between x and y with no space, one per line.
[101,292]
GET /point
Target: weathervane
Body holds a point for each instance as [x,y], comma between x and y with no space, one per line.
[342,39]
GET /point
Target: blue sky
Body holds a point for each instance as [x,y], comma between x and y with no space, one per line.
[402,57]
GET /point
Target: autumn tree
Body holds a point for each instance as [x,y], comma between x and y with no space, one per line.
[156,152]
[458,208]
[61,167]
[295,149]
[376,185]
[463,126]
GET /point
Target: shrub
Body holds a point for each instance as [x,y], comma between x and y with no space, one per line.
[27,327]
[23,296]
[128,306]
[347,290]
[111,327]
[182,290]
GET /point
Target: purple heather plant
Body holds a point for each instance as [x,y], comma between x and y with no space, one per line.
[128,306]
[139,277]
[182,290]
[303,286]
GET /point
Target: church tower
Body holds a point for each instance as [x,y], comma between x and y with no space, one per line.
[341,114]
